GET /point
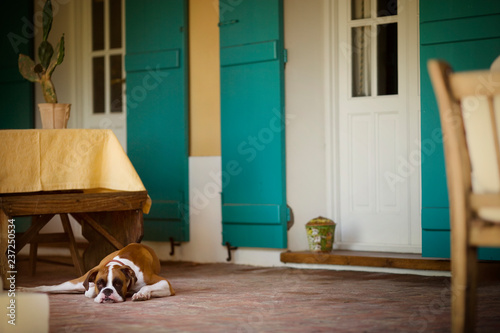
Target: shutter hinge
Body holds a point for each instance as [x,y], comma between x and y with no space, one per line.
[285,56]
[289,217]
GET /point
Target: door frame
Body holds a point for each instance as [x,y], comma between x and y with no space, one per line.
[332,111]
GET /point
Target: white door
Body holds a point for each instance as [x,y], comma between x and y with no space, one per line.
[378,125]
[103,73]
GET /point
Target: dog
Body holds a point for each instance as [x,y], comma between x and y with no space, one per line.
[132,270]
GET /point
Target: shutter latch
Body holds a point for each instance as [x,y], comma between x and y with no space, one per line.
[228,22]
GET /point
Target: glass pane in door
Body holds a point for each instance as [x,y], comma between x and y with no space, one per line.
[387,8]
[97,25]
[98,84]
[116,81]
[360,9]
[361,61]
[115,24]
[387,59]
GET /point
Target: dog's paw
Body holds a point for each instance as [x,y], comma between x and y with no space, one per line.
[141,295]
[90,293]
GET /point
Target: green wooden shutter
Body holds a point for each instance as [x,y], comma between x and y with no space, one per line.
[157,111]
[254,211]
[466,33]
[16,93]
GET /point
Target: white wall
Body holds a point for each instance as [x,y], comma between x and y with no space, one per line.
[305,76]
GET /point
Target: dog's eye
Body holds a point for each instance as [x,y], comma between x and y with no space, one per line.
[117,283]
[100,284]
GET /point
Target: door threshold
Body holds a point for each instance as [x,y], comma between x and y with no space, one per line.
[367,259]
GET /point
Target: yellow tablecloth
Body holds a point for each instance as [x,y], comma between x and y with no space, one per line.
[66,159]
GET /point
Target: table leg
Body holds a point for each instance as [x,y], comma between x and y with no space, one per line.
[126,226]
[4,222]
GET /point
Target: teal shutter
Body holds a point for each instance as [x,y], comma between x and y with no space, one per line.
[157,111]
[254,211]
[16,93]
[466,33]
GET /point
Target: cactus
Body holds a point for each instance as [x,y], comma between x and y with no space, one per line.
[42,72]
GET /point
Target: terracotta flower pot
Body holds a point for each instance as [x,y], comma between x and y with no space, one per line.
[54,115]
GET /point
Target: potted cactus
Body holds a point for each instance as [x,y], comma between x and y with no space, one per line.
[54,114]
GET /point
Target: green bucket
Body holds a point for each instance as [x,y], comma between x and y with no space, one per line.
[320,234]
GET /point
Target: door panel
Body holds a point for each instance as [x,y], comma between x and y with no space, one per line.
[254,212]
[157,112]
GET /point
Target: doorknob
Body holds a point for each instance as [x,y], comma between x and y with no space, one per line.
[117,81]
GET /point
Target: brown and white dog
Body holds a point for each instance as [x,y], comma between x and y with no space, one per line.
[131,270]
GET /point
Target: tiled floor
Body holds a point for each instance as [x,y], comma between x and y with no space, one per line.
[233,298]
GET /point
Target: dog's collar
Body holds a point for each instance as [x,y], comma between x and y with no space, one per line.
[117,261]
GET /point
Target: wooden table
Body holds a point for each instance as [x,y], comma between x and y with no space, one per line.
[81,172]
[110,220]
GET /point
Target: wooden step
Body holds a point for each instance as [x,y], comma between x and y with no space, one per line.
[367,259]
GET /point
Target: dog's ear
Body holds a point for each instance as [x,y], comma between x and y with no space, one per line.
[130,275]
[90,277]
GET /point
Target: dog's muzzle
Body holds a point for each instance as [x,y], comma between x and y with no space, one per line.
[107,292]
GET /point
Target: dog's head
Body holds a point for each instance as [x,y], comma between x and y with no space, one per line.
[111,282]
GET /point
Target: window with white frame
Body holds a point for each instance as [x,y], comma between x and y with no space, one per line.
[107,53]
